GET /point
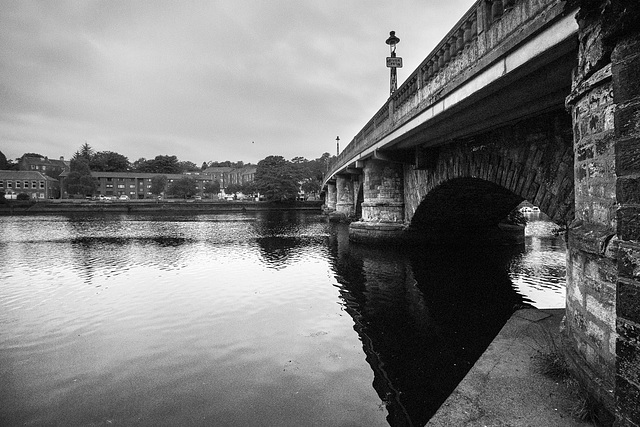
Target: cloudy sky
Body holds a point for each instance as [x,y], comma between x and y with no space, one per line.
[203,80]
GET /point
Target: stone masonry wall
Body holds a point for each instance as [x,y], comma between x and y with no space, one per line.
[591,257]
[625,60]
[603,262]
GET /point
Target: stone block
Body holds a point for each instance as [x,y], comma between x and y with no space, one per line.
[627,119]
[605,312]
[629,261]
[628,190]
[629,331]
[628,156]
[627,398]
[628,360]
[628,304]
[628,220]
[626,76]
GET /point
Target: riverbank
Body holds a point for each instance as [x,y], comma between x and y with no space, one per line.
[71,205]
[506,387]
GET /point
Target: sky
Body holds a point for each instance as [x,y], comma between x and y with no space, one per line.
[215,80]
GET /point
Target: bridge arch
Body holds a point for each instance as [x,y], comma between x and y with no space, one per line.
[475,183]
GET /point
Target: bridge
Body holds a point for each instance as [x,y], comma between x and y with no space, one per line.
[534,100]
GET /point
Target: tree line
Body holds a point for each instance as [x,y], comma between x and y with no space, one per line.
[276,178]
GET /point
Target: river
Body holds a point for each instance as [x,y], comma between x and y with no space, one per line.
[256,319]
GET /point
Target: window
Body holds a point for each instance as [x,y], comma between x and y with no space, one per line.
[9,184]
[109,185]
[120,179]
[132,186]
[18,183]
[1,184]
[109,179]
[120,185]
[26,184]
[41,184]
[34,184]
[42,195]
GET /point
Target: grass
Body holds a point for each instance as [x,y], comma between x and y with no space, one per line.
[554,365]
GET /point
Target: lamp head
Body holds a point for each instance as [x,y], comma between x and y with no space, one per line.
[392,41]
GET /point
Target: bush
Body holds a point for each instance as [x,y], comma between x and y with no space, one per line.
[22,196]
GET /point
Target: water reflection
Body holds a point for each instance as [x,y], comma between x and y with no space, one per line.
[423,320]
[539,270]
[243,319]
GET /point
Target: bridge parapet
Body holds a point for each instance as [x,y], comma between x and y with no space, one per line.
[488,30]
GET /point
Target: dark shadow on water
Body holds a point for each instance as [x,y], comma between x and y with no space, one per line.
[424,316]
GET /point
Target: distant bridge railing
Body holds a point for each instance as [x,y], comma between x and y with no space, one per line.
[477,40]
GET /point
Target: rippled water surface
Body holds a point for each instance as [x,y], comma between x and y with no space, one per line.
[243,320]
[539,272]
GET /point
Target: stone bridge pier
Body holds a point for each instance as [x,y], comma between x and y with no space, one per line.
[382,203]
[332,196]
[347,186]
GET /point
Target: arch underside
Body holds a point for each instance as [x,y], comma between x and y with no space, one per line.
[475,183]
[464,204]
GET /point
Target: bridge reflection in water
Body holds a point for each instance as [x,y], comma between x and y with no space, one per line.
[425,315]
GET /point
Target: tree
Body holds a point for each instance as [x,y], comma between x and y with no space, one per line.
[204,166]
[108,161]
[136,165]
[233,189]
[183,187]
[276,178]
[187,166]
[80,180]
[158,184]
[85,152]
[249,188]
[161,164]
[212,187]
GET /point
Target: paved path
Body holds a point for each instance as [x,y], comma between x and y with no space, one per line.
[504,387]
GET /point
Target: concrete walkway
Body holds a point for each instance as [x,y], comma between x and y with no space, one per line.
[504,387]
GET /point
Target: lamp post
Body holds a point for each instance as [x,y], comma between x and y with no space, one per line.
[337,145]
[393,62]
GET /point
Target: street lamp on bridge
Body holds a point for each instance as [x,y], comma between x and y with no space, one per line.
[393,62]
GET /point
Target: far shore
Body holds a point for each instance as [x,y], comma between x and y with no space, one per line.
[13,207]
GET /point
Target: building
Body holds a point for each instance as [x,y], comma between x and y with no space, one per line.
[226,175]
[136,185]
[36,184]
[44,165]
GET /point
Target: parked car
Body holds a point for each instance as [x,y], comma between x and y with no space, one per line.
[197,198]
[123,197]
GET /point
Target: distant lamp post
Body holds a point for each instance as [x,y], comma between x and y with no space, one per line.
[337,145]
[393,62]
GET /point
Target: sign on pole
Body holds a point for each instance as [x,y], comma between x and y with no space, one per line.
[394,62]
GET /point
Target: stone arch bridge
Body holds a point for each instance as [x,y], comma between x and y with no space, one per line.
[534,100]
